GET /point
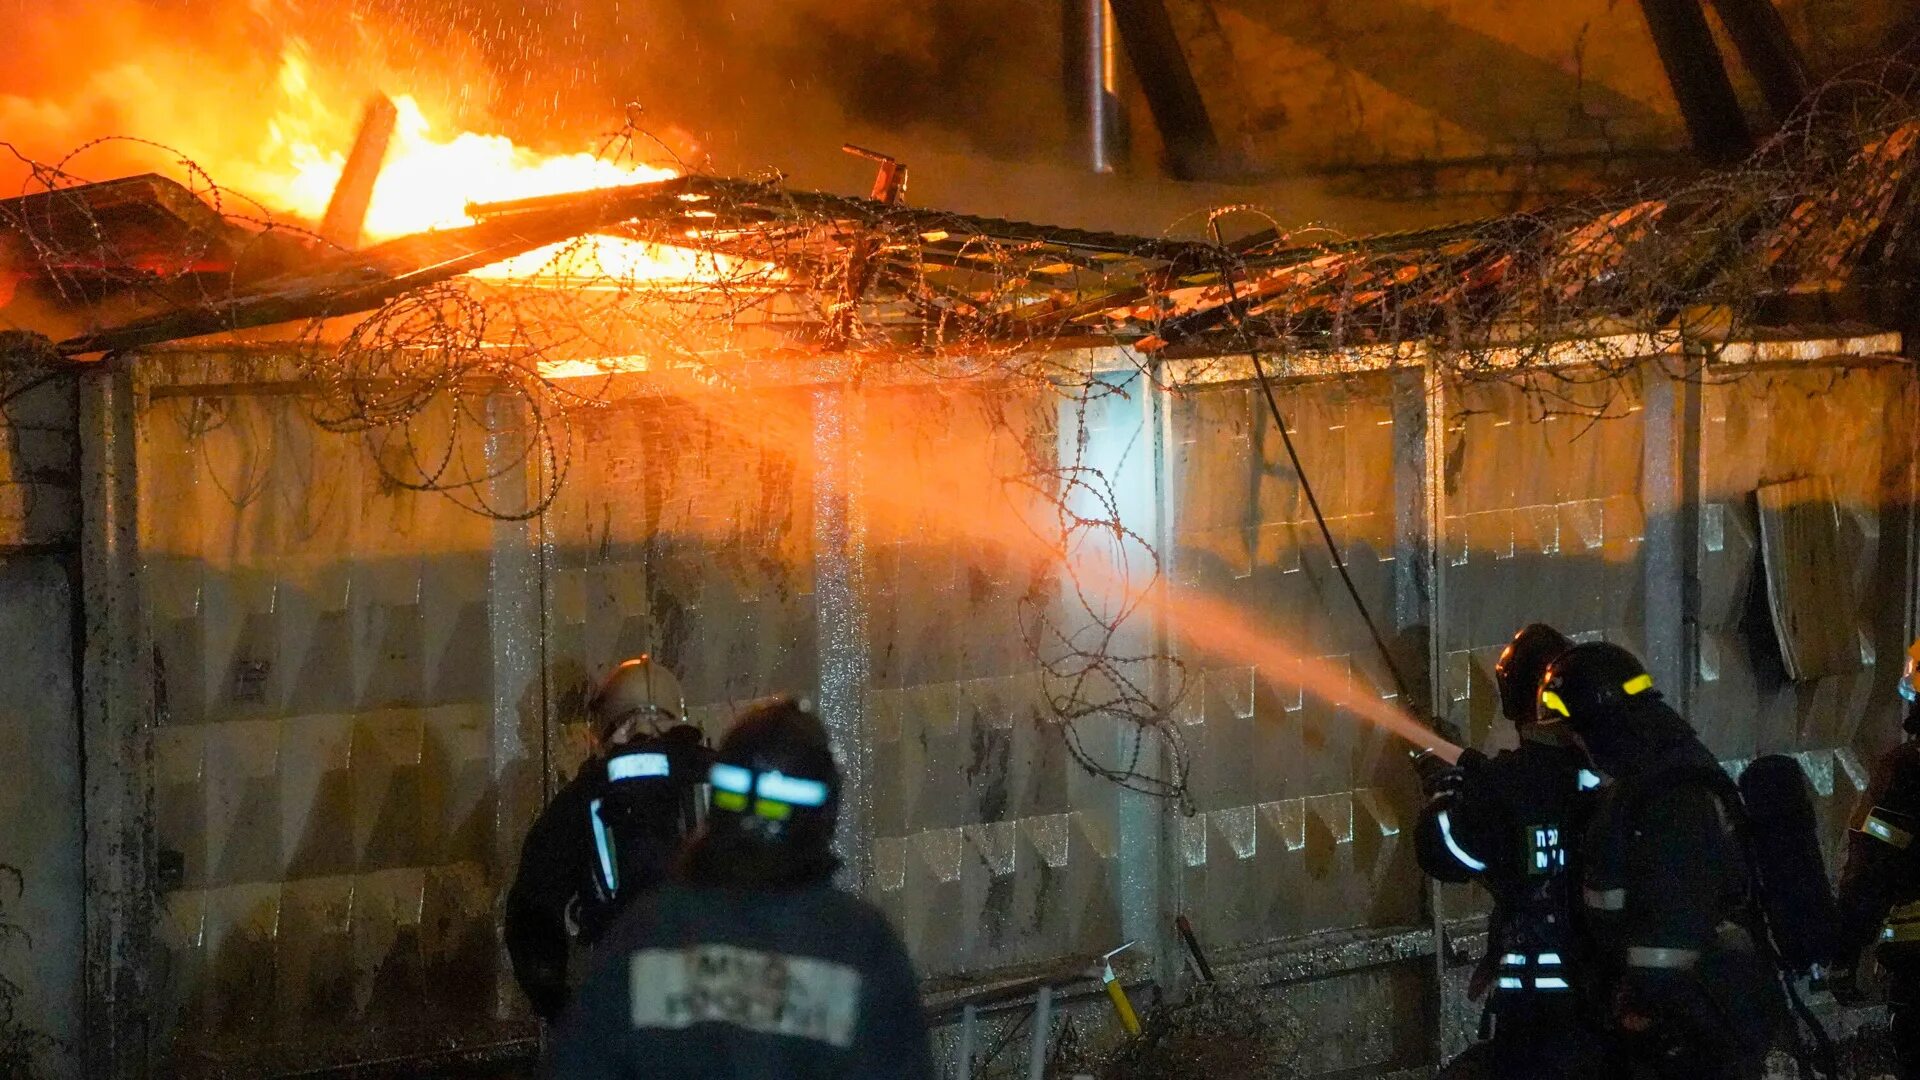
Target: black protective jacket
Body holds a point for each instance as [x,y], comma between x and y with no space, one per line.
[723,983]
[1880,884]
[1666,891]
[597,845]
[1509,823]
[555,861]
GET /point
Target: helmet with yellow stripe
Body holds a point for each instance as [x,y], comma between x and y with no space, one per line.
[1588,682]
[1521,665]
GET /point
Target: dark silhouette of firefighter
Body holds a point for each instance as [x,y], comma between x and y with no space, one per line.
[750,964]
[610,833]
[1680,982]
[1510,822]
[1880,885]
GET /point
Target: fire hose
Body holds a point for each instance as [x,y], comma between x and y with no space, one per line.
[1425,758]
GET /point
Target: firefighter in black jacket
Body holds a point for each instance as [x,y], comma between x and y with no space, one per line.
[1508,822]
[1680,984]
[750,965]
[1880,884]
[610,833]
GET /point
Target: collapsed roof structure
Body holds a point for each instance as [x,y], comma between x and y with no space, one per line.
[144,260]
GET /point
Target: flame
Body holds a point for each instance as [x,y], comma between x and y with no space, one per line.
[430,176]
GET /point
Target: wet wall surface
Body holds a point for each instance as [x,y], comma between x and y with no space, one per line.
[362,693]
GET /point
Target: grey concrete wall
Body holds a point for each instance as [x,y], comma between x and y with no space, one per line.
[40,831]
[323,683]
[40,813]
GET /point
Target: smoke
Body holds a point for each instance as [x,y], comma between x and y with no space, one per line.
[773,81]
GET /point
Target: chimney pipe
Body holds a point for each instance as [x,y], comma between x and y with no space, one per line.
[1106,115]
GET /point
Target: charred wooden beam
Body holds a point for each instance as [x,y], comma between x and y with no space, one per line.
[1768,51]
[1715,124]
[1179,111]
[347,210]
[889,183]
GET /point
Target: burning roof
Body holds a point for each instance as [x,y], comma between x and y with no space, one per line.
[142,261]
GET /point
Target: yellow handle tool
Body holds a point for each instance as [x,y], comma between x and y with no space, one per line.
[1117,993]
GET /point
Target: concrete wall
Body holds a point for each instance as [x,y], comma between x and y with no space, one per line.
[40,813]
[361,692]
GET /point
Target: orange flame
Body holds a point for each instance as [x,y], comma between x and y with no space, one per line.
[430,176]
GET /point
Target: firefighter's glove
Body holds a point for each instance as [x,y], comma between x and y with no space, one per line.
[1436,775]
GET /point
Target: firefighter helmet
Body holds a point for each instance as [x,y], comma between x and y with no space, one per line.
[1521,666]
[639,696]
[1589,681]
[774,779]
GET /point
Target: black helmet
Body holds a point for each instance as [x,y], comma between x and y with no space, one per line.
[1522,665]
[1590,681]
[774,780]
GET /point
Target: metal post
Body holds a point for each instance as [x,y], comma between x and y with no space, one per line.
[969,1026]
[519,721]
[1042,1028]
[116,736]
[1157,400]
[1114,435]
[1421,492]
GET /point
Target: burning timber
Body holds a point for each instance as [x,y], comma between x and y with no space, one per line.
[142,261]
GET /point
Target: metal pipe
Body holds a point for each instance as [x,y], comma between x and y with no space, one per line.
[1103,86]
[1042,1027]
[969,1020]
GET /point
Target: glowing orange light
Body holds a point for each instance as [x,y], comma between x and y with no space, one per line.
[430,176]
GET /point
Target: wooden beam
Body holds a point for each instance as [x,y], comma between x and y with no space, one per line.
[347,210]
[1146,30]
[1715,124]
[1768,51]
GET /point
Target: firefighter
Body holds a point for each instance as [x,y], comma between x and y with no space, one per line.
[1508,822]
[610,833]
[750,965]
[1680,984]
[1880,884]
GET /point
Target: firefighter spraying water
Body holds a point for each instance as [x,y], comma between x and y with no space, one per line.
[1510,823]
